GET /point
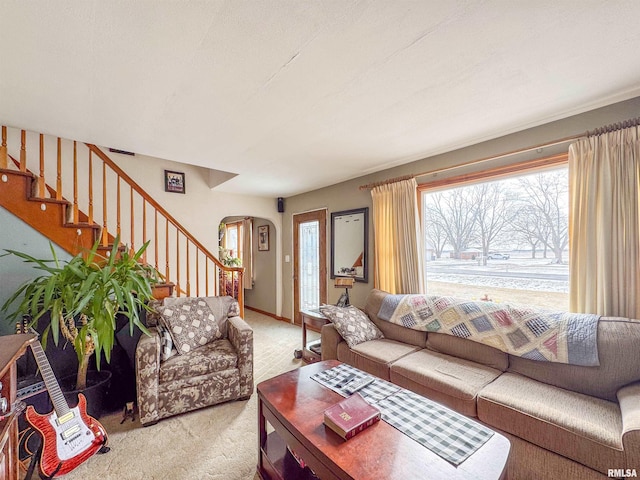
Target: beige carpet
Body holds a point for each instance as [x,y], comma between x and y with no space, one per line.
[219,442]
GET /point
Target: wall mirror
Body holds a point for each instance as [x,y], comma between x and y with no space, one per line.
[349,238]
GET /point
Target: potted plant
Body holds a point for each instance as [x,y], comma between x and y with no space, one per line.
[83,297]
[227,259]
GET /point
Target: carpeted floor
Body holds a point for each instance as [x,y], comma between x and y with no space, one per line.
[219,442]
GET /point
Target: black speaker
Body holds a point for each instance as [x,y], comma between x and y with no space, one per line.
[280,205]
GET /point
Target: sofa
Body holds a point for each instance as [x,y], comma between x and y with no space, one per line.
[563,421]
[197,368]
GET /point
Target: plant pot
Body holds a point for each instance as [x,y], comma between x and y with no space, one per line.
[96,392]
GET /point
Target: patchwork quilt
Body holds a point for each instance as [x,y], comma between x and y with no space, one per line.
[523,331]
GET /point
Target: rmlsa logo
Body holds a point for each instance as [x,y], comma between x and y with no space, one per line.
[622,473]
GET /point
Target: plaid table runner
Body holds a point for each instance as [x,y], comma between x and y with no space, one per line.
[446,433]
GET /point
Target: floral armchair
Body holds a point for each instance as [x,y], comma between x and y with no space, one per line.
[200,353]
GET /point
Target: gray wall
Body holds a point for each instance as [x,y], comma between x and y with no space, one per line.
[347,195]
[17,235]
[263,294]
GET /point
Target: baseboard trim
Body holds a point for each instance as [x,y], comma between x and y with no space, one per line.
[268,314]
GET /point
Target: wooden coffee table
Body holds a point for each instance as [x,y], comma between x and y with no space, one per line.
[293,404]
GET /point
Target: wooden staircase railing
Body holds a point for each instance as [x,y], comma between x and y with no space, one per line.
[103,195]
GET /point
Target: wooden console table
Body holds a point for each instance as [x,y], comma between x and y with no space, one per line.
[311,320]
[11,348]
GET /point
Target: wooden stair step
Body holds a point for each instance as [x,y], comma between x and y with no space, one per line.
[16,172]
[93,226]
[48,200]
[15,190]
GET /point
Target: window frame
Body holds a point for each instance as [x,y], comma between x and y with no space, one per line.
[238,226]
[496,173]
[491,174]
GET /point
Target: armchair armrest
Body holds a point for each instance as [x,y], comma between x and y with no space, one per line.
[329,339]
[629,398]
[147,375]
[241,337]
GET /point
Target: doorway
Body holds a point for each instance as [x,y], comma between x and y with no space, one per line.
[309,261]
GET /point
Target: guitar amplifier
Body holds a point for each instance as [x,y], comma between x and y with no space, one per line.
[31,390]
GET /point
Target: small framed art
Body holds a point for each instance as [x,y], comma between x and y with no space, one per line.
[263,238]
[174,182]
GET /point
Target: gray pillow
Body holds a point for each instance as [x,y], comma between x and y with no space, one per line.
[352,324]
[190,323]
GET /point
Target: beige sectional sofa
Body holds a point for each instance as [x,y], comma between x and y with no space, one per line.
[564,421]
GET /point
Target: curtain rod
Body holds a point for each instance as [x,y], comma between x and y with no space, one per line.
[474,162]
[634,122]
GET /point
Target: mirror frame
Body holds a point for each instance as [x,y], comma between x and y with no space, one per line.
[365,247]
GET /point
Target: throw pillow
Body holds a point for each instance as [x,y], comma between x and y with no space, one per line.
[190,323]
[352,324]
[167,350]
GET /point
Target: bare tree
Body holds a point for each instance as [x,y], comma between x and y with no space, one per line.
[547,194]
[492,215]
[526,226]
[455,212]
[435,233]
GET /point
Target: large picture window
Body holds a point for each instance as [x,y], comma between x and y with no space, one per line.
[502,239]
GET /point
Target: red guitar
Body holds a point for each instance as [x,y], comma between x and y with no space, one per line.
[69,435]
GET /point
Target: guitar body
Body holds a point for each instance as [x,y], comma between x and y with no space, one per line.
[67,441]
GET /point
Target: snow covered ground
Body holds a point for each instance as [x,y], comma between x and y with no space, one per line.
[520,273]
[502,282]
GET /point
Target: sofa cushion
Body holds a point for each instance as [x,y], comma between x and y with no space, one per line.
[452,381]
[469,350]
[189,394]
[374,356]
[582,428]
[212,357]
[191,324]
[352,324]
[618,340]
[391,330]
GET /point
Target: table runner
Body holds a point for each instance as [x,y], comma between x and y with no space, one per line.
[446,433]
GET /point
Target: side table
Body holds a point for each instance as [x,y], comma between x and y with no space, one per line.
[314,321]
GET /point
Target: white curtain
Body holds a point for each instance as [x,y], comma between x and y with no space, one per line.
[398,266]
[247,252]
[604,172]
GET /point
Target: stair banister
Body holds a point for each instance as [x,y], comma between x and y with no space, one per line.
[176,224]
[45,194]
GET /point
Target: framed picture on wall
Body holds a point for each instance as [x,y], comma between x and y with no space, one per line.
[174,182]
[263,238]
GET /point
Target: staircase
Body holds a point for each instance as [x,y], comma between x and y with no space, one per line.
[74,194]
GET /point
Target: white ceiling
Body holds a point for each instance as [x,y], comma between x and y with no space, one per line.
[294,95]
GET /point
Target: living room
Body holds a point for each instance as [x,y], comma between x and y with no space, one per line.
[498,131]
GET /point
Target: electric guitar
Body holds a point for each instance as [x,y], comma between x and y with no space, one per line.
[69,435]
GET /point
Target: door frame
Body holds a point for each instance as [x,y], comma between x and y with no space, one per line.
[321,217]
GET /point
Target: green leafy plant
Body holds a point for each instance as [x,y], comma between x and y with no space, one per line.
[227,259]
[83,297]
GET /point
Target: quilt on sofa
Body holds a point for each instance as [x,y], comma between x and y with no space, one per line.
[526,332]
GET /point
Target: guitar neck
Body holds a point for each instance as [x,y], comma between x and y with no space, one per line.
[57,397]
